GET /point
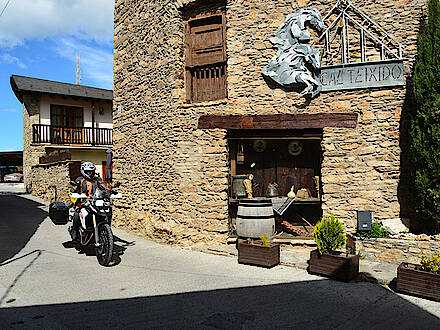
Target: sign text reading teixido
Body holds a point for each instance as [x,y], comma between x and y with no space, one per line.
[362,75]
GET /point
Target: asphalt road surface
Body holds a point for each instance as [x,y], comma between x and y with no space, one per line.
[46,285]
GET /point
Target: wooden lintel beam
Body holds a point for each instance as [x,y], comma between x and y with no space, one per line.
[279,121]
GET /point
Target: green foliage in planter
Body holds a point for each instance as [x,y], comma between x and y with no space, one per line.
[377,231]
[329,234]
[431,265]
[424,129]
[265,240]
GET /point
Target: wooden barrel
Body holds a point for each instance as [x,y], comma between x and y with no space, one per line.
[255,218]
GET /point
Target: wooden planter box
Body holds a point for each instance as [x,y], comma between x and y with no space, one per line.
[338,267]
[412,280]
[256,254]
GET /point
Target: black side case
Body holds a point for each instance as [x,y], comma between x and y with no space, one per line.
[58,213]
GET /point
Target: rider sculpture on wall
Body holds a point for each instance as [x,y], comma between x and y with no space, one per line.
[296,61]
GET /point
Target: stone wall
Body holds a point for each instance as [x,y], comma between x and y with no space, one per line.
[393,251]
[51,182]
[31,153]
[175,176]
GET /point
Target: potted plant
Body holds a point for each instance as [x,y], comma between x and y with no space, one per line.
[329,235]
[377,231]
[420,280]
[260,253]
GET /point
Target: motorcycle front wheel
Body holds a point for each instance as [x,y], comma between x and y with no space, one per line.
[104,251]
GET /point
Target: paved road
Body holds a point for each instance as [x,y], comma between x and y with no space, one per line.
[49,286]
[19,219]
[11,188]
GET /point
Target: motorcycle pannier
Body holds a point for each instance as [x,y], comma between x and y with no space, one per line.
[58,213]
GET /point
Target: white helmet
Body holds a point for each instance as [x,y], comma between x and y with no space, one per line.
[88,170]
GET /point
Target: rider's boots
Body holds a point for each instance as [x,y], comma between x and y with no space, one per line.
[75,228]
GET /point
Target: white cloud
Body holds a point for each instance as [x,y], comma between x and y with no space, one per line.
[8,58]
[29,19]
[9,110]
[96,63]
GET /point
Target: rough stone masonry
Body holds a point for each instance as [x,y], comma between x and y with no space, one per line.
[175,176]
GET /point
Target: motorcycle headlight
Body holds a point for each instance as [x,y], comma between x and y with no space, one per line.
[99,203]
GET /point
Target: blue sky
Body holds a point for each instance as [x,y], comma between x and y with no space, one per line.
[41,39]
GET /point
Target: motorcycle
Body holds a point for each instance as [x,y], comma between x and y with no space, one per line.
[95,217]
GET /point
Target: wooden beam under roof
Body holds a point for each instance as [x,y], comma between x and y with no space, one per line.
[279,121]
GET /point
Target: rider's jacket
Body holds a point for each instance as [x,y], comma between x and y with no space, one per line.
[85,186]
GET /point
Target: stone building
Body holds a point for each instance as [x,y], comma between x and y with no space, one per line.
[63,124]
[192,111]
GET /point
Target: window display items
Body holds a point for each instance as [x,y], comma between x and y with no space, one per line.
[272,190]
[238,187]
[295,148]
[240,155]
[291,193]
[303,193]
[248,186]
[259,145]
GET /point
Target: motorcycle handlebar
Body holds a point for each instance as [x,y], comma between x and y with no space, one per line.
[112,195]
[117,195]
[76,195]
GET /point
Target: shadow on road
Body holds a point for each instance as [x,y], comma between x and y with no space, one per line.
[37,254]
[19,219]
[320,304]
[119,248]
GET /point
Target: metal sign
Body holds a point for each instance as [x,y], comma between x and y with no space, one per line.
[362,75]
[349,35]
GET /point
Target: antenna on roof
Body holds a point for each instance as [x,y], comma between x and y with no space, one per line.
[78,70]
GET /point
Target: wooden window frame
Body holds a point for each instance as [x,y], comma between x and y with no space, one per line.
[67,119]
[66,132]
[205,79]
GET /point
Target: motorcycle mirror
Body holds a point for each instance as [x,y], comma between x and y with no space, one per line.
[116,185]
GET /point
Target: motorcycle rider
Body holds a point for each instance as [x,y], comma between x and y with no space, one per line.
[85,184]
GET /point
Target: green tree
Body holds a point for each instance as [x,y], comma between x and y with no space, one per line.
[424,131]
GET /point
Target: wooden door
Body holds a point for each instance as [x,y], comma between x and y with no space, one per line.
[74,120]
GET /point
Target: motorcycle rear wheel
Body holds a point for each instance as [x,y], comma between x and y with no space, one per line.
[104,252]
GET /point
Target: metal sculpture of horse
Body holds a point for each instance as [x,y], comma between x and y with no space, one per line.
[295,60]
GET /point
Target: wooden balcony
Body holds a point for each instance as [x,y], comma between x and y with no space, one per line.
[71,135]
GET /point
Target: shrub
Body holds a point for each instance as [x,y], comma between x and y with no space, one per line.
[424,128]
[377,231]
[431,265]
[329,234]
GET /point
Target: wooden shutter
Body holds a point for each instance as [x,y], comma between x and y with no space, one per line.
[206,40]
[208,83]
[205,57]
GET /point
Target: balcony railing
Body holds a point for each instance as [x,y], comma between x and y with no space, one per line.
[71,135]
